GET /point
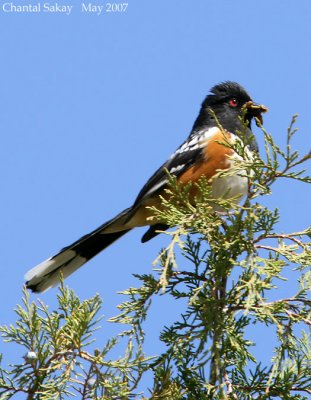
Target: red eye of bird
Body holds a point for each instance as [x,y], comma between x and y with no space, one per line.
[233,102]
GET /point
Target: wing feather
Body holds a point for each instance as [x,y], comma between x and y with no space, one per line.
[190,152]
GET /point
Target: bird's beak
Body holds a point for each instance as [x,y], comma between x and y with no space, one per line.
[255,110]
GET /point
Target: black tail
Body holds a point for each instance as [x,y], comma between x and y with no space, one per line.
[70,258]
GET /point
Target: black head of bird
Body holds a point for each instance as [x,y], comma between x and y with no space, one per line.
[230,103]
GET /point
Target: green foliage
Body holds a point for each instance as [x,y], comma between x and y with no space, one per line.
[58,364]
[227,267]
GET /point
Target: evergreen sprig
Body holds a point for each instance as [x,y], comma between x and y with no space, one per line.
[58,363]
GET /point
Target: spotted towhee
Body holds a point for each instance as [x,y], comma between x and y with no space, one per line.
[202,154]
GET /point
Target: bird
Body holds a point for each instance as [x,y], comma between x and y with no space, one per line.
[202,154]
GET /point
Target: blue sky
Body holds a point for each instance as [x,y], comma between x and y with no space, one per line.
[91,105]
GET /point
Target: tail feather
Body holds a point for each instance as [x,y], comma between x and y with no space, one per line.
[69,259]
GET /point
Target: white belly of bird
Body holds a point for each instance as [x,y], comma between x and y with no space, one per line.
[231,186]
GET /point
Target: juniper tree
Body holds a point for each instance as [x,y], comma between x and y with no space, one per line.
[226,267]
